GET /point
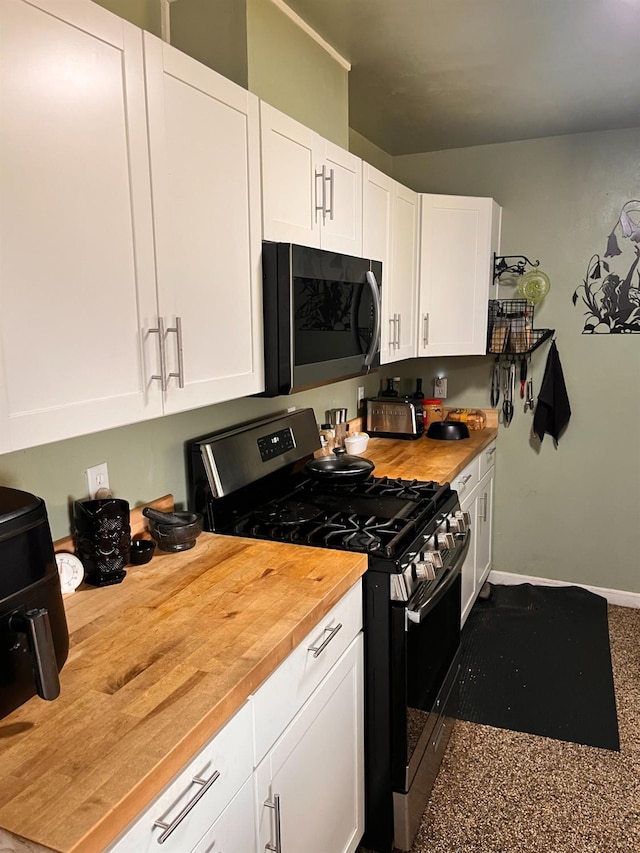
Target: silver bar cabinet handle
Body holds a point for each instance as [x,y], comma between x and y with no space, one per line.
[178,332]
[329,178]
[317,650]
[160,332]
[398,333]
[425,330]
[275,805]
[395,331]
[169,827]
[465,479]
[392,332]
[319,207]
[485,502]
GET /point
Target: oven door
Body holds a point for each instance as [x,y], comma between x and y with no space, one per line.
[426,649]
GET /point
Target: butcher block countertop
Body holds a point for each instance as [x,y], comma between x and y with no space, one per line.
[160,662]
[426,458]
[157,665]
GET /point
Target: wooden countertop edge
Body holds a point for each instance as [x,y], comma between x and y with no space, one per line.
[104,833]
[488,435]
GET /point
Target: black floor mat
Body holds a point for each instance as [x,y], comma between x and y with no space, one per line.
[537,659]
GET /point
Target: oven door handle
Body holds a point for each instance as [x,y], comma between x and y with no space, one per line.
[417,614]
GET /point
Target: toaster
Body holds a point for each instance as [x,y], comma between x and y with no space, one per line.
[395,417]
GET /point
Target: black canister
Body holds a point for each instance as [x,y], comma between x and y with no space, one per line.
[103,539]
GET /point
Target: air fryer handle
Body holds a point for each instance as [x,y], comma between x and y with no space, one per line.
[35,624]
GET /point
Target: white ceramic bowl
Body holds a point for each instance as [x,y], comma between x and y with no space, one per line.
[356,443]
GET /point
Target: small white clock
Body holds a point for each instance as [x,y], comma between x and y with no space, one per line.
[71,571]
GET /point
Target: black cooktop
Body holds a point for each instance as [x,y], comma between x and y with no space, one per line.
[379,515]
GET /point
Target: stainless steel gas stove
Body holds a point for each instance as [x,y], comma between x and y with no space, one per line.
[251,481]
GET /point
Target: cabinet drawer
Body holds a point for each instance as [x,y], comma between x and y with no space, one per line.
[227,753]
[281,696]
[234,830]
[487,459]
[467,480]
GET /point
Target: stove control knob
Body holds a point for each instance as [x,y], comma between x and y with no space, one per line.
[424,572]
[460,522]
[446,541]
[432,558]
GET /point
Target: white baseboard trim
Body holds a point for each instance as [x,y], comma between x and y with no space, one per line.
[613,596]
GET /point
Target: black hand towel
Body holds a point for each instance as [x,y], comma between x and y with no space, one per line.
[553,410]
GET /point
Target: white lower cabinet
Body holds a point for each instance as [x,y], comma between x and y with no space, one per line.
[234,831]
[192,803]
[286,770]
[309,790]
[475,491]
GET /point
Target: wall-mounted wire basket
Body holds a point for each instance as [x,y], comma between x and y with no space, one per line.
[510,327]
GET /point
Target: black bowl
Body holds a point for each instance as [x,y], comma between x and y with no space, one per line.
[448,430]
[141,551]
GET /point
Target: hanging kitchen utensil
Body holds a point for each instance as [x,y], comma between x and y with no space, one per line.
[534,286]
[523,375]
[340,468]
[529,403]
[507,406]
[495,383]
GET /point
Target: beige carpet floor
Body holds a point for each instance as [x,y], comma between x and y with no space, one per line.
[506,792]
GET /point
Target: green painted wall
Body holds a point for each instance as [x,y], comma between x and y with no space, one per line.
[143,13]
[570,513]
[215,33]
[366,150]
[290,71]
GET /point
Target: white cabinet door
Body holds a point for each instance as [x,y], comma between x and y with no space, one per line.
[484,527]
[404,270]
[458,238]
[288,182]
[390,214]
[341,221]
[469,590]
[76,247]
[312,189]
[205,171]
[474,486]
[311,781]
[377,200]
[234,831]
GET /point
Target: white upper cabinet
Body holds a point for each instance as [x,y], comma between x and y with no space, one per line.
[458,238]
[404,270]
[390,214]
[130,278]
[377,201]
[76,249]
[205,174]
[312,189]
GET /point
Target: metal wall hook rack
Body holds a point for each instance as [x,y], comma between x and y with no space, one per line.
[501,265]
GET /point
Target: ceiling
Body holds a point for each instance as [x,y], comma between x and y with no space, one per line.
[433,74]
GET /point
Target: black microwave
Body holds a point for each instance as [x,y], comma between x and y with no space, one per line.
[321,317]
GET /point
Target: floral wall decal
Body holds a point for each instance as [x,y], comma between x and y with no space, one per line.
[613,302]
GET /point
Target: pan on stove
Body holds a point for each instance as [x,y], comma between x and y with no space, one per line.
[342,467]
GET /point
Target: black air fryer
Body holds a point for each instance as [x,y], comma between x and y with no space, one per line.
[34,639]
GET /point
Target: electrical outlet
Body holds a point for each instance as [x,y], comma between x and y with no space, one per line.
[97,478]
[360,403]
[440,387]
